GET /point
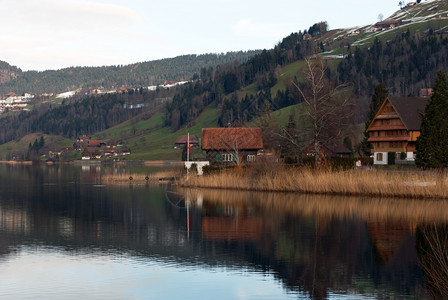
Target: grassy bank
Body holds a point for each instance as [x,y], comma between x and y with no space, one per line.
[416,185]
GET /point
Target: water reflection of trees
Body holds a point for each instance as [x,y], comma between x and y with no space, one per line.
[318,244]
[314,245]
[432,248]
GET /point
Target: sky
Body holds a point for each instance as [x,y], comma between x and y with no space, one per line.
[54,34]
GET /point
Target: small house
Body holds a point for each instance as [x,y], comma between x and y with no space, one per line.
[231,145]
[388,24]
[181,141]
[91,153]
[425,92]
[329,150]
[83,138]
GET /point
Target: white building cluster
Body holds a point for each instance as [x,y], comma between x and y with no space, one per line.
[14,102]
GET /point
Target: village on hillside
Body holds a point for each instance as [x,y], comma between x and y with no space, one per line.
[13,102]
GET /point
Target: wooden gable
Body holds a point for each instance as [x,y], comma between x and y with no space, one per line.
[387,118]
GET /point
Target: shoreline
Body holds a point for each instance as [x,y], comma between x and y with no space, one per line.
[97,162]
[355,182]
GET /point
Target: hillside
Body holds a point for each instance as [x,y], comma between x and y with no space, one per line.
[12,79]
[404,57]
[421,17]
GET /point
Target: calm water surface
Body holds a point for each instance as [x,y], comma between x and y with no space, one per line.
[65,235]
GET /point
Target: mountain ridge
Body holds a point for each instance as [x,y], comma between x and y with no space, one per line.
[13,79]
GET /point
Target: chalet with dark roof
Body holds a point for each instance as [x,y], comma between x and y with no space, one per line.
[396,128]
[388,24]
[181,141]
[231,145]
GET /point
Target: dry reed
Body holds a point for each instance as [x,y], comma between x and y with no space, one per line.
[416,185]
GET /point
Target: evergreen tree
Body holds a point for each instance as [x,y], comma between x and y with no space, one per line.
[378,97]
[432,145]
[41,142]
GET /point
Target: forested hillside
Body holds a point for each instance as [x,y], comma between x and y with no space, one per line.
[87,116]
[138,74]
[246,85]
[404,64]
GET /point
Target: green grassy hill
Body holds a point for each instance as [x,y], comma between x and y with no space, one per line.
[150,140]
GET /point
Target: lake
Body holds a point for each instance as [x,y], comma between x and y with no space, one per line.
[66,235]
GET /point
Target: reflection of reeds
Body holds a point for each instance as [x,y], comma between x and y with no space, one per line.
[139,178]
[432,246]
[326,207]
[352,182]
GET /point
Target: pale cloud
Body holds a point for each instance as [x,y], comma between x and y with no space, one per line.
[248,28]
[53,34]
[65,32]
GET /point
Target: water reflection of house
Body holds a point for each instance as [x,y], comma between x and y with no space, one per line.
[389,237]
[231,229]
[14,220]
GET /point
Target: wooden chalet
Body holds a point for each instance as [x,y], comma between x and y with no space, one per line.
[396,128]
[329,150]
[231,145]
[181,141]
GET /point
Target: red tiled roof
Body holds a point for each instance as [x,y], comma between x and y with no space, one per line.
[232,138]
[95,143]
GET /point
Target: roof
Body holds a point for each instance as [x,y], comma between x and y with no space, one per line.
[387,23]
[183,139]
[95,143]
[232,138]
[410,110]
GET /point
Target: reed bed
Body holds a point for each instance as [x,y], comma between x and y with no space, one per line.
[416,185]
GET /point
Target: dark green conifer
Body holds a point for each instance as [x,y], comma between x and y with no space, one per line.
[432,145]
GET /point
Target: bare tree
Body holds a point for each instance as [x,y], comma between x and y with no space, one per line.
[327,113]
[432,250]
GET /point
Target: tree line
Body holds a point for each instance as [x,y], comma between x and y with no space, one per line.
[138,74]
[226,79]
[82,116]
[405,64]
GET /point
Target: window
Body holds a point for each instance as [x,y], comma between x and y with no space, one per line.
[251,158]
[379,156]
[227,157]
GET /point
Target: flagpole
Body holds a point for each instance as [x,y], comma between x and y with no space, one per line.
[188,147]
